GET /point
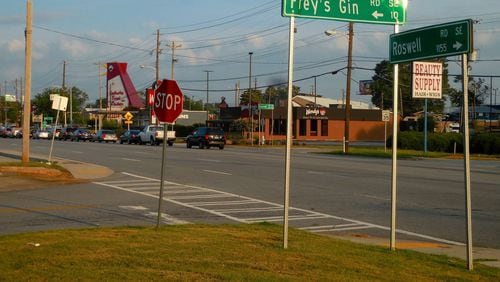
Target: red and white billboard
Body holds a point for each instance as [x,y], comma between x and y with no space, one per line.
[427,80]
[121,92]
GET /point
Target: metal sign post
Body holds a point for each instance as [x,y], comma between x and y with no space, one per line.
[288,133]
[465,87]
[394,174]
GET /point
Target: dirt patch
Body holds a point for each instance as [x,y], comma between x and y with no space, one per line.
[14,178]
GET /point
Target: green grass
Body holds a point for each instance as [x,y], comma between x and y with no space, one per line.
[214,253]
[378,152]
[53,165]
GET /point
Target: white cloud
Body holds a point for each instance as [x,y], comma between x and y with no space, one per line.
[256,41]
[74,47]
[15,45]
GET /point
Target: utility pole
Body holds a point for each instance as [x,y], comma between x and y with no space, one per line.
[208,79]
[64,76]
[174,60]
[158,51]
[348,89]
[250,112]
[237,94]
[27,74]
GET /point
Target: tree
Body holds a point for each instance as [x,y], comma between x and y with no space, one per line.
[191,104]
[274,94]
[478,91]
[383,87]
[42,104]
[256,96]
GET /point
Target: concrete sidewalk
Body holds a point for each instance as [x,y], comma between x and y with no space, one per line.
[486,256]
[79,170]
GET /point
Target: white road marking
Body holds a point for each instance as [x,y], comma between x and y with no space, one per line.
[209,160]
[217,172]
[249,210]
[134,208]
[374,197]
[243,200]
[167,218]
[77,152]
[315,172]
[131,160]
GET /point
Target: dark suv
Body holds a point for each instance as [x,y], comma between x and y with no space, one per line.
[206,137]
[66,133]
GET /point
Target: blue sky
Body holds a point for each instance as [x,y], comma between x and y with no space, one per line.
[215,35]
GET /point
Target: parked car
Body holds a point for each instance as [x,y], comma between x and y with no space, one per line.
[81,134]
[206,137]
[65,133]
[130,137]
[105,135]
[41,134]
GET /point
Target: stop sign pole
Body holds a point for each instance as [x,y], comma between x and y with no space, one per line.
[168,104]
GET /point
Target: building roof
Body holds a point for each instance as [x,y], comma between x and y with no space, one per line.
[303,101]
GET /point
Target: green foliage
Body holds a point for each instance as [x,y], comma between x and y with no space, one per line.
[485,143]
[383,87]
[190,252]
[42,104]
[482,143]
[431,123]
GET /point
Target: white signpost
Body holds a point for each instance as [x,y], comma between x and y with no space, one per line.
[59,103]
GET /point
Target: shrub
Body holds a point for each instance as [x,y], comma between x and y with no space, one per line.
[483,143]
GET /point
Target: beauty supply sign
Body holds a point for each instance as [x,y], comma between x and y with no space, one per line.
[427,81]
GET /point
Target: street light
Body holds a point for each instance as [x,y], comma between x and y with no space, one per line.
[348,86]
[250,112]
[208,79]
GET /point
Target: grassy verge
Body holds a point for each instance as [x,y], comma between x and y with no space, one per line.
[377,152]
[207,253]
[33,164]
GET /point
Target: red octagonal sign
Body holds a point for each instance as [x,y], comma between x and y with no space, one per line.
[168,101]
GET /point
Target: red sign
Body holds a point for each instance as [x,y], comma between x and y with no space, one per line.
[151,96]
[168,101]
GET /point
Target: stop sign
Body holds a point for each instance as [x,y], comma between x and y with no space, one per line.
[168,101]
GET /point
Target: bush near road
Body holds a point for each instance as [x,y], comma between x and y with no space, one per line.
[480,143]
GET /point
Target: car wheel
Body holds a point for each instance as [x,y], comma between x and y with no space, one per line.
[151,141]
[188,144]
[170,144]
[202,146]
[208,146]
[221,147]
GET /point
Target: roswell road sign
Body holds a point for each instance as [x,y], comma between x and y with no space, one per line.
[435,41]
[368,11]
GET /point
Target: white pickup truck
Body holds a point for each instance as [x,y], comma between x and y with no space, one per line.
[153,134]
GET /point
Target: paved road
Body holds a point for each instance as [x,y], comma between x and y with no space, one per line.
[329,194]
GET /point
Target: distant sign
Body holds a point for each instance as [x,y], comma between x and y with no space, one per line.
[386,115]
[427,80]
[59,103]
[368,11]
[10,98]
[435,41]
[266,106]
[365,87]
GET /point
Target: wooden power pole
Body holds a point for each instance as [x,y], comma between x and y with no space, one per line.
[27,93]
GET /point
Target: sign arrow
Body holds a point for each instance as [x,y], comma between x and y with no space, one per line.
[377,15]
[457,45]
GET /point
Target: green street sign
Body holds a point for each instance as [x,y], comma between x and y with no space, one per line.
[266,106]
[434,41]
[367,11]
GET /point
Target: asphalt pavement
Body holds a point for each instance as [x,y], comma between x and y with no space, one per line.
[88,171]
